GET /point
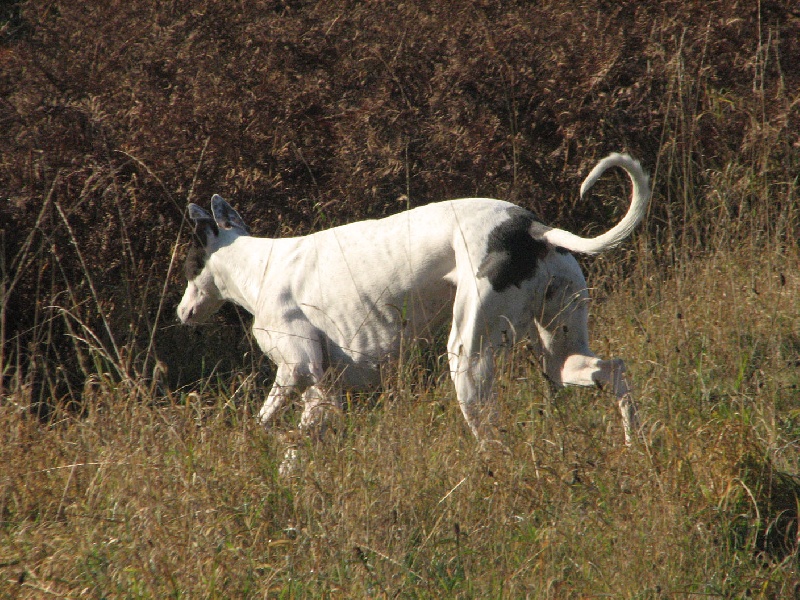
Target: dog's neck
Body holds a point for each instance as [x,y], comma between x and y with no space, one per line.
[240,270]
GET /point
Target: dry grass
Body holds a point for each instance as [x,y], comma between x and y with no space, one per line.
[120,481]
[180,495]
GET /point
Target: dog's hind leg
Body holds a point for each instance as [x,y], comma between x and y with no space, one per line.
[589,370]
[474,337]
[563,330]
[472,373]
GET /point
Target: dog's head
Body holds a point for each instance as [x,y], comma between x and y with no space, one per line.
[202,297]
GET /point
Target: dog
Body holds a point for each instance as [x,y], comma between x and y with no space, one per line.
[329,308]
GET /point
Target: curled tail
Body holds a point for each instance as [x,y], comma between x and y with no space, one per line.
[614,236]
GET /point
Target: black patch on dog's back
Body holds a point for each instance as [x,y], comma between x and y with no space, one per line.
[514,250]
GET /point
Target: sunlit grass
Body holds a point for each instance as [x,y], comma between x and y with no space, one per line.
[181,496]
[117,480]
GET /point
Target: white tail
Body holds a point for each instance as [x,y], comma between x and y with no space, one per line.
[614,236]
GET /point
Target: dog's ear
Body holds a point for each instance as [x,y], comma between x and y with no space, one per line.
[226,217]
[196,213]
[204,224]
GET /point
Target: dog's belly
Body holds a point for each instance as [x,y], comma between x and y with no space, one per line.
[355,348]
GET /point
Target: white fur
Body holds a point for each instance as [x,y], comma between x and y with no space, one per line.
[330,307]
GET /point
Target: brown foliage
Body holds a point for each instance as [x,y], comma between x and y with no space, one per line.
[115,114]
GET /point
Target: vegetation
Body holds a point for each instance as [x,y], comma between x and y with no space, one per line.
[130,461]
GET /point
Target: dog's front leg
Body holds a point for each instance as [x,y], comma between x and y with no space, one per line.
[276,399]
[319,406]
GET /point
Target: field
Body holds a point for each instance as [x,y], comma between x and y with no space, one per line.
[131,464]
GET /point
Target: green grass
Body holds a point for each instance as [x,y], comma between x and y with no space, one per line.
[180,497]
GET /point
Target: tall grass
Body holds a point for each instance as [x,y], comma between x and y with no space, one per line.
[181,496]
[154,492]
[117,482]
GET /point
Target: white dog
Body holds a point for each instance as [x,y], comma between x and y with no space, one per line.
[330,307]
